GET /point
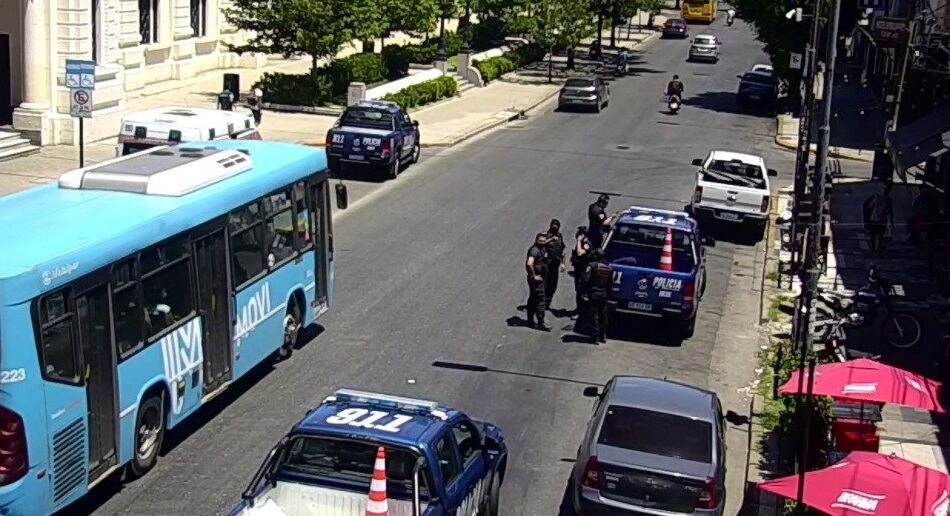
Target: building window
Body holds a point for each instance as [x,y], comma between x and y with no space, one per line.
[148,20]
[199,13]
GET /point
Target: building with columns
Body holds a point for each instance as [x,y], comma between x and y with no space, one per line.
[135,43]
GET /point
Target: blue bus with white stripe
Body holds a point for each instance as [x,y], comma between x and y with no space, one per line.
[135,290]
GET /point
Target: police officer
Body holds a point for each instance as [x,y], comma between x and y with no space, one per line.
[596,215]
[226,99]
[556,258]
[536,269]
[597,282]
[580,257]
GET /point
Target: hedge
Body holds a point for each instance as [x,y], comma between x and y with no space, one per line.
[494,67]
[424,92]
[398,57]
[327,82]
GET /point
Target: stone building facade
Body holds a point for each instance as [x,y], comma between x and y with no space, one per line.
[135,43]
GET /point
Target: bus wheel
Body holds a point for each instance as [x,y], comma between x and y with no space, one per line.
[149,431]
[291,329]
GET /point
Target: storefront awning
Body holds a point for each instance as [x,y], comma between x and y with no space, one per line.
[922,139]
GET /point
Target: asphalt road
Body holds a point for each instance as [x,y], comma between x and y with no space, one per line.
[429,267]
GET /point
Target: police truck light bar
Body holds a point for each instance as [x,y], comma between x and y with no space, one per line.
[388,402]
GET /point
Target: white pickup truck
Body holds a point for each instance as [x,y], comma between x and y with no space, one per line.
[732,187]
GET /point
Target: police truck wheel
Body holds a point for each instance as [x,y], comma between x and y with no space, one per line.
[493,496]
[689,327]
[149,431]
[416,152]
[291,329]
[393,169]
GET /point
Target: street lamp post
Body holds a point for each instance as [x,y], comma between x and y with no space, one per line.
[440,55]
[467,34]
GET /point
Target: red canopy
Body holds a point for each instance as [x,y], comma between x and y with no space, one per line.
[870,484]
[870,381]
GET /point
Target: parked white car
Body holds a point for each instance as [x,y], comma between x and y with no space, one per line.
[732,187]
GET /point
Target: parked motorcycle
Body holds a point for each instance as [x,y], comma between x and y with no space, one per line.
[900,329]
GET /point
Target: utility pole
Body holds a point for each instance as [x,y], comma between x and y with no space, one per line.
[813,232]
[804,126]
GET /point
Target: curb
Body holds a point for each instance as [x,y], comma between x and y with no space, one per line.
[487,127]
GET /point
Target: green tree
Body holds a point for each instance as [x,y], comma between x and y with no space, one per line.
[410,16]
[780,35]
[553,24]
[317,28]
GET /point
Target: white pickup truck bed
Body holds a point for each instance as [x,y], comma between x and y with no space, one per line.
[293,499]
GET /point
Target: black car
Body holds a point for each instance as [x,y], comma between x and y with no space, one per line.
[587,92]
[757,88]
[675,28]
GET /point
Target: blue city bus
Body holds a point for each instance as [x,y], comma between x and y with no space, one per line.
[135,290]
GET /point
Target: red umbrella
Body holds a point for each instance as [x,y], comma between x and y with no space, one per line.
[870,483]
[865,380]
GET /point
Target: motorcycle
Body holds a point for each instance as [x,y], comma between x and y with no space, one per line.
[621,69]
[595,53]
[730,17]
[674,104]
[900,329]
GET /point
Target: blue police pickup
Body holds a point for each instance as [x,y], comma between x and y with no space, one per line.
[634,246]
[439,462]
[375,133]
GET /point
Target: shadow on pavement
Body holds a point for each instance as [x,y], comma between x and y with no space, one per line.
[645,330]
[726,102]
[364,173]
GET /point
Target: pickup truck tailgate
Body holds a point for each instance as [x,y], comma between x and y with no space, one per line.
[358,140]
[650,290]
[734,198]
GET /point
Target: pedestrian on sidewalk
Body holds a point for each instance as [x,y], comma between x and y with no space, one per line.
[535,267]
[226,100]
[878,211]
[556,260]
[254,104]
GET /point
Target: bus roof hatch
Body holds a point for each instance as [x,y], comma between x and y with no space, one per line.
[167,171]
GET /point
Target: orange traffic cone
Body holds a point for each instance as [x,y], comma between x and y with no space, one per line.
[377,505]
[666,259]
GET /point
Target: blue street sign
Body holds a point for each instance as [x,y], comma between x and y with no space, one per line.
[80,74]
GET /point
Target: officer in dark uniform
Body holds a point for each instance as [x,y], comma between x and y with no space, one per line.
[596,215]
[226,100]
[580,257]
[536,269]
[556,258]
[597,281]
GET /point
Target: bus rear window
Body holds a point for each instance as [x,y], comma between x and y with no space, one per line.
[351,461]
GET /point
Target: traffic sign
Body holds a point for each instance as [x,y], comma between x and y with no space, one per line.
[795,61]
[80,102]
[80,74]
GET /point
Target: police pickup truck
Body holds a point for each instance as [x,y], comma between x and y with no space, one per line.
[439,462]
[375,133]
[642,285]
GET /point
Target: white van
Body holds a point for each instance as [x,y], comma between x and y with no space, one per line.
[168,126]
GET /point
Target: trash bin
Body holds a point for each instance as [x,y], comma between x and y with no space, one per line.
[232,82]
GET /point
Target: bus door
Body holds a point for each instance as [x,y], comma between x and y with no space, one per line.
[211,262]
[95,334]
[320,225]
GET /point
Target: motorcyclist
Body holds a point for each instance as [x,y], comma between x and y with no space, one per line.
[595,51]
[675,88]
[622,58]
[730,15]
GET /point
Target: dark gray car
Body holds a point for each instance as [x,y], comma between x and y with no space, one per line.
[586,92]
[652,447]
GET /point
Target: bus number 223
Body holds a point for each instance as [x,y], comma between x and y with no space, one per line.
[355,417]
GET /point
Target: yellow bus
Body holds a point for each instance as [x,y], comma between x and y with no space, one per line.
[700,10]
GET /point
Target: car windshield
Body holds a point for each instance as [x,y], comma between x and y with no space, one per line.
[367,117]
[349,460]
[734,172]
[578,83]
[642,245]
[657,433]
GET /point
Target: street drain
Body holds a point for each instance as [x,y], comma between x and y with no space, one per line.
[623,147]
[667,123]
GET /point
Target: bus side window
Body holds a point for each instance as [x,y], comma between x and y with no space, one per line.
[166,285]
[301,217]
[278,227]
[247,243]
[127,308]
[60,357]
